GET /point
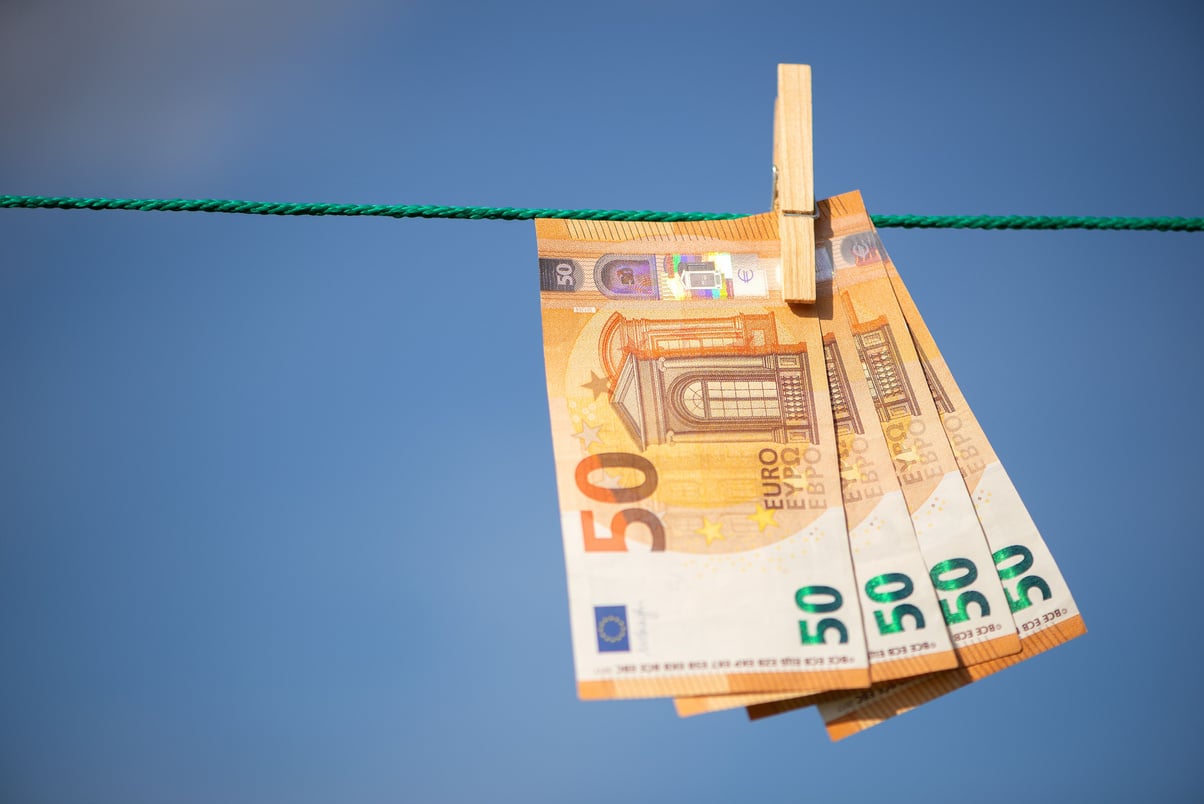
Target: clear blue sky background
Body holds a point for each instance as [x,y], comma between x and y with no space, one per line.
[277,509]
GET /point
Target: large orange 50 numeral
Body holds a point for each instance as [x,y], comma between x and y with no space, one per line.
[620,521]
[617,543]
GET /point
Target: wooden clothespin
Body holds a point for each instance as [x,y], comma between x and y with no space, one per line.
[794,182]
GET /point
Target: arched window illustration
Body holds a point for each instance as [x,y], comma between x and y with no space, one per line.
[692,398]
[709,400]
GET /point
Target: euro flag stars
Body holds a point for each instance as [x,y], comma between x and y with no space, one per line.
[611,622]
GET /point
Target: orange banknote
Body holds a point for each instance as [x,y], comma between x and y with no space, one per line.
[696,462]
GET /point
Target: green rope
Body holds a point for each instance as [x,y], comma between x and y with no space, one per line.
[1037,222]
[378,210]
[522,214]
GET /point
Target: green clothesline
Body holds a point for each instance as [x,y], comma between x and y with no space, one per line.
[522,214]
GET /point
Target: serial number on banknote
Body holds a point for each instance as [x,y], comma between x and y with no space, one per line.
[1045,619]
[981,630]
[903,650]
[735,664]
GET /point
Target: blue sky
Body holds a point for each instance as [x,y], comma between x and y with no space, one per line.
[278,518]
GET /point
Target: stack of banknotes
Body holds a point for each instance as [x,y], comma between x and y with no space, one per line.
[773,506]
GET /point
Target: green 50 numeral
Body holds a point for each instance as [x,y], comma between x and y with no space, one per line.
[873,589]
[959,612]
[1021,600]
[830,601]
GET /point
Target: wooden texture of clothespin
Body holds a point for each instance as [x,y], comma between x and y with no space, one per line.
[794,182]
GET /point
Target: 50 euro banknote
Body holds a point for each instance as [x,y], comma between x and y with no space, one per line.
[1037,597]
[1042,607]
[698,473]
[904,496]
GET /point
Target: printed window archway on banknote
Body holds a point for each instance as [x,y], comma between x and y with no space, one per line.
[711,399]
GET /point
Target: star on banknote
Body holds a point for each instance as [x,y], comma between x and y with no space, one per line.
[763,517]
[588,435]
[598,385]
[907,455]
[849,471]
[711,530]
